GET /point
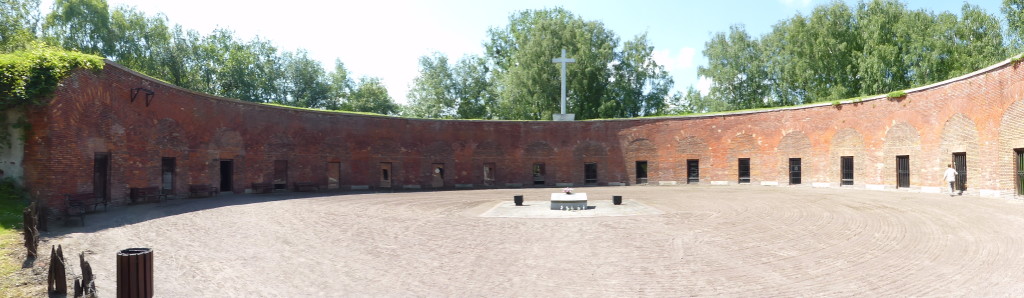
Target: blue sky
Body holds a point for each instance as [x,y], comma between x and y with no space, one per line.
[385,38]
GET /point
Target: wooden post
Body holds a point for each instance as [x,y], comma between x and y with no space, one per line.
[31,230]
[57,279]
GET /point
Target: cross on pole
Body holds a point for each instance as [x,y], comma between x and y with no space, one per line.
[563,60]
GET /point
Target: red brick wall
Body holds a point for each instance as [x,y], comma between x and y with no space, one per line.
[981,114]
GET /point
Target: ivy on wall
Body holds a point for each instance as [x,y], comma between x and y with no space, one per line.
[29,77]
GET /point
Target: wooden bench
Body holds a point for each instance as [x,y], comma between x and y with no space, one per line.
[141,194]
[262,187]
[306,186]
[79,203]
[205,190]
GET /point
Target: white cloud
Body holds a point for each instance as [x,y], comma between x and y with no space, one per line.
[703,85]
[682,60]
[796,3]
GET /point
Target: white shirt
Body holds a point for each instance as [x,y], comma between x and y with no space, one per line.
[949,175]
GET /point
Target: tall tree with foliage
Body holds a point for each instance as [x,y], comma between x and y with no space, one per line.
[371,96]
[640,85]
[81,25]
[529,84]
[18,22]
[433,94]
[1013,12]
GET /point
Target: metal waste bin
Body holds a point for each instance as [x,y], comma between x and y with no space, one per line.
[135,273]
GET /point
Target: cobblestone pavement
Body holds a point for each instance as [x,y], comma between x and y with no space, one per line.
[698,241]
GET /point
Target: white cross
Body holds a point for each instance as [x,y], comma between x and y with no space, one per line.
[563,60]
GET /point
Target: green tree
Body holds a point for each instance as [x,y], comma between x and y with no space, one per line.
[640,85]
[18,22]
[307,82]
[139,41]
[433,94]
[340,86]
[473,90]
[82,25]
[1013,12]
[371,96]
[737,70]
[528,83]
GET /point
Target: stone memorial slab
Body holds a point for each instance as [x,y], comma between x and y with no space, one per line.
[574,201]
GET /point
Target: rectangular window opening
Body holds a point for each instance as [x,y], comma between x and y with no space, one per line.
[744,170]
[902,171]
[385,175]
[167,165]
[795,176]
[1019,162]
[333,175]
[692,171]
[101,175]
[590,173]
[227,172]
[960,165]
[846,169]
[489,173]
[539,173]
[641,172]
[280,174]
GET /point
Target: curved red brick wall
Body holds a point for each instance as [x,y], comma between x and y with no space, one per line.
[981,114]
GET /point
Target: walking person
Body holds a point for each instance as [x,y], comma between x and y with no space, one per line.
[950,176]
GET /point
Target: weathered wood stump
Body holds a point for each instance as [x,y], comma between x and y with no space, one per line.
[31,229]
[87,286]
[57,279]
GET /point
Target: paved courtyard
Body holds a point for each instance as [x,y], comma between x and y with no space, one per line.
[663,241]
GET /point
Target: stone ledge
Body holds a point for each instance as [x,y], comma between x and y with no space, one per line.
[513,185]
[988,193]
[411,186]
[719,182]
[770,183]
[563,184]
[821,184]
[464,185]
[668,183]
[874,186]
[931,189]
[616,184]
[359,187]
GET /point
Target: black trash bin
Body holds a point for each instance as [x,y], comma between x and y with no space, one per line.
[135,273]
[518,199]
[617,200]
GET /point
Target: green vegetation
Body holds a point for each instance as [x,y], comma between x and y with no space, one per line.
[28,77]
[896,94]
[12,202]
[838,50]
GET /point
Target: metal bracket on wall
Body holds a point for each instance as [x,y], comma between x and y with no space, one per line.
[149,94]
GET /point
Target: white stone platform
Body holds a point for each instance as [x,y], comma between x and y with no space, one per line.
[597,208]
[575,201]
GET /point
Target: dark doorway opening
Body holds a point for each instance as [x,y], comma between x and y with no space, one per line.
[538,174]
[1019,161]
[744,170]
[280,174]
[692,171]
[333,175]
[167,170]
[385,175]
[794,171]
[227,172]
[846,170]
[902,171]
[641,172]
[101,175]
[437,175]
[960,165]
[590,173]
